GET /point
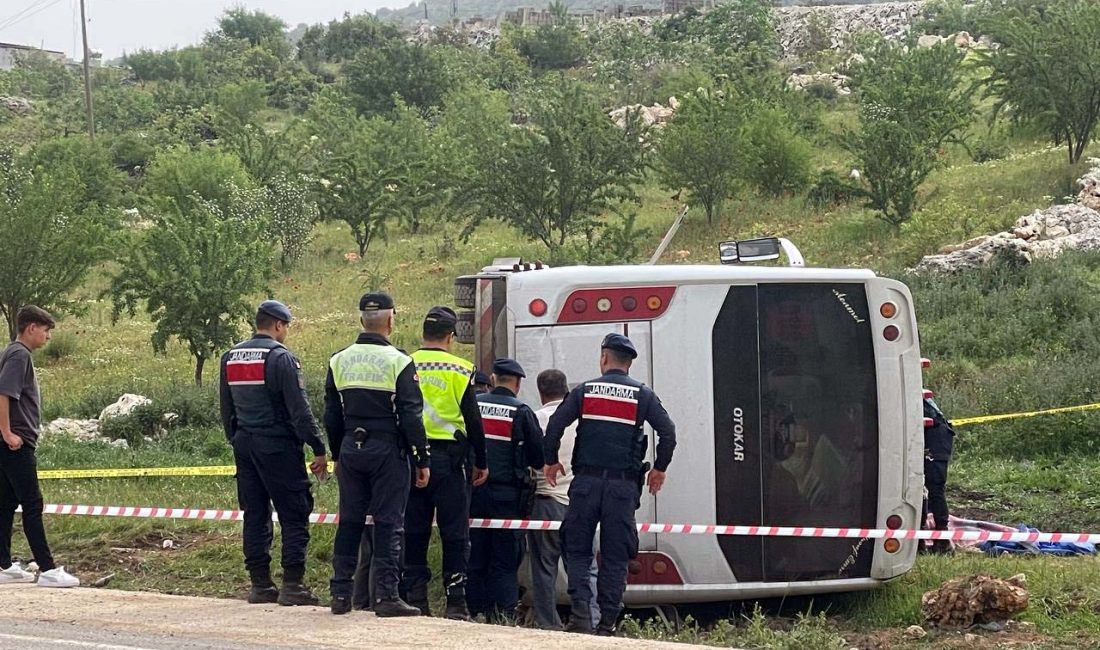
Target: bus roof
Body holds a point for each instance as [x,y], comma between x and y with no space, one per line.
[678,274]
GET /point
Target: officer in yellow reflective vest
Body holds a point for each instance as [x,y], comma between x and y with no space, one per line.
[373,416]
[452,421]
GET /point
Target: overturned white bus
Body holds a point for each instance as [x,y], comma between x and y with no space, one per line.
[797,398]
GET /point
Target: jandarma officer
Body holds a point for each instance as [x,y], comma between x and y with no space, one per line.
[373,413]
[608,467]
[267,420]
[513,442]
[453,425]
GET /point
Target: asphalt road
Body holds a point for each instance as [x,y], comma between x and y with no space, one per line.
[32,618]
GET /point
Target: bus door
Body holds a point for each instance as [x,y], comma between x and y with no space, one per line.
[575,350]
[796,433]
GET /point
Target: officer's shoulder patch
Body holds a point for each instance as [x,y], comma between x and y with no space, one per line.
[297,364]
[416,377]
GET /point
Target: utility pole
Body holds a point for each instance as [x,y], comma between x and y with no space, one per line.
[87,73]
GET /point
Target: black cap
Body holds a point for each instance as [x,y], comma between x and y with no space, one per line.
[481,379]
[507,366]
[376,301]
[619,343]
[440,314]
[275,309]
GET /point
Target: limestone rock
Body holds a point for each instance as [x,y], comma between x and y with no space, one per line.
[963,40]
[17,105]
[973,600]
[124,406]
[81,430]
[655,116]
[915,632]
[837,80]
[929,40]
[1089,196]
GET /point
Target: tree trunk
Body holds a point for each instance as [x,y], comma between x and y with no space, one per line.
[199,363]
[10,317]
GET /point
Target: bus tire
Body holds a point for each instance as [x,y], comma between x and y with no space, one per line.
[464,328]
[466,292]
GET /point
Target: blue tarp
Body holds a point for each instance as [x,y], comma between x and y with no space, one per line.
[1040,548]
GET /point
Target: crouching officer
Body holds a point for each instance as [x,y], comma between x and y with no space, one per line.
[513,442]
[453,425]
[939,442]
[372,414]
[267,419]
[608,468]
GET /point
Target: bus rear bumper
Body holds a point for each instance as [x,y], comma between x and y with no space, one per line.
[648,595]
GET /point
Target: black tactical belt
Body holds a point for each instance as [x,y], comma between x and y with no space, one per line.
[619,474]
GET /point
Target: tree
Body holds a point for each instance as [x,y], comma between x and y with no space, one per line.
[413,72]
[293,215]
[1045,71]
[556,176]
[179,174]
[780,158]
[98,183]
[423,184]
[256,27]
[360,166]
[704,149]
[557,46]
[195,271]
[47,242]
[912,102]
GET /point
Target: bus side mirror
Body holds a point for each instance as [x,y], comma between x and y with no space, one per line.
[749,250]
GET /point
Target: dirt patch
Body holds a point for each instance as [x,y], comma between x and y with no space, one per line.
[1014,636]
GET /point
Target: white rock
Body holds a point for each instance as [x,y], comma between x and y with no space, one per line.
[929,40]
[963,40]
[124,406]
[82,430]
[854,175]
[120,444]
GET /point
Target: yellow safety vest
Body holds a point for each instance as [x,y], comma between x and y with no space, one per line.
[369,367]
[444,379]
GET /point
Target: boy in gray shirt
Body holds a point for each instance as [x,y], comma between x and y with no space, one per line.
[19,425]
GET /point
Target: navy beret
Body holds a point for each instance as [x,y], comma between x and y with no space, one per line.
[481,378]
[376,301]
[619,343]
[440,314]
[275,309]
[507,366]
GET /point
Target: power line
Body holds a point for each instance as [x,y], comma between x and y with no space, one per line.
[15,20]
[22,11]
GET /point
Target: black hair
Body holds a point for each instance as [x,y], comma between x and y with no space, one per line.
[552,383]
[437,330]
[31,315]
[618,356]
[265,321]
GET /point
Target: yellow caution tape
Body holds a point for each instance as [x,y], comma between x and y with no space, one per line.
[133,472]
[985,419]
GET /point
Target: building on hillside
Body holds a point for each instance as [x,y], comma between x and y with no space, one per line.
[10,53]
[677,6]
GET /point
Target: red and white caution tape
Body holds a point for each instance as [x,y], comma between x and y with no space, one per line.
[660,529]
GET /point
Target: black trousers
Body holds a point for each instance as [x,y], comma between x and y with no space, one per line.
[495,555]
[446,500]
[935,479]
[273,471]
[374,480]
[19,487]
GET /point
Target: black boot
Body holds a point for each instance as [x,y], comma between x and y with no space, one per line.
[580,619]
[941,547]
[606,629]
[263,589]
[341,605]
[388,607]
[456,598]
[417,594]
[294,591]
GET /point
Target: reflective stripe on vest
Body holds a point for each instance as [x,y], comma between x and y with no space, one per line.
[368,367]
[497,420]
[610,403]
[444,379]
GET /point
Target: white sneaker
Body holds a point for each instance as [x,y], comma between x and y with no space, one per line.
[15,574]
[57,578]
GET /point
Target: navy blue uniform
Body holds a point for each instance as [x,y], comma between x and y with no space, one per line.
[267,419]
[513,444]
[607,466]
[939,441]
[373,412]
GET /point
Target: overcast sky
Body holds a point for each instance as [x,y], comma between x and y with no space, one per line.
[115,26]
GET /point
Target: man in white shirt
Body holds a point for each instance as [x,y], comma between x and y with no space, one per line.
[550,504]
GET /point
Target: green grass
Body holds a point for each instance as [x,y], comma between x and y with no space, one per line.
[1041,472]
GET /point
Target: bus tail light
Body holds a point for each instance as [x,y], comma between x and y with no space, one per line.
[891,545]
[653,568]
[894,522]
[615,304]
[888,310]
[537,307]
[891,333]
